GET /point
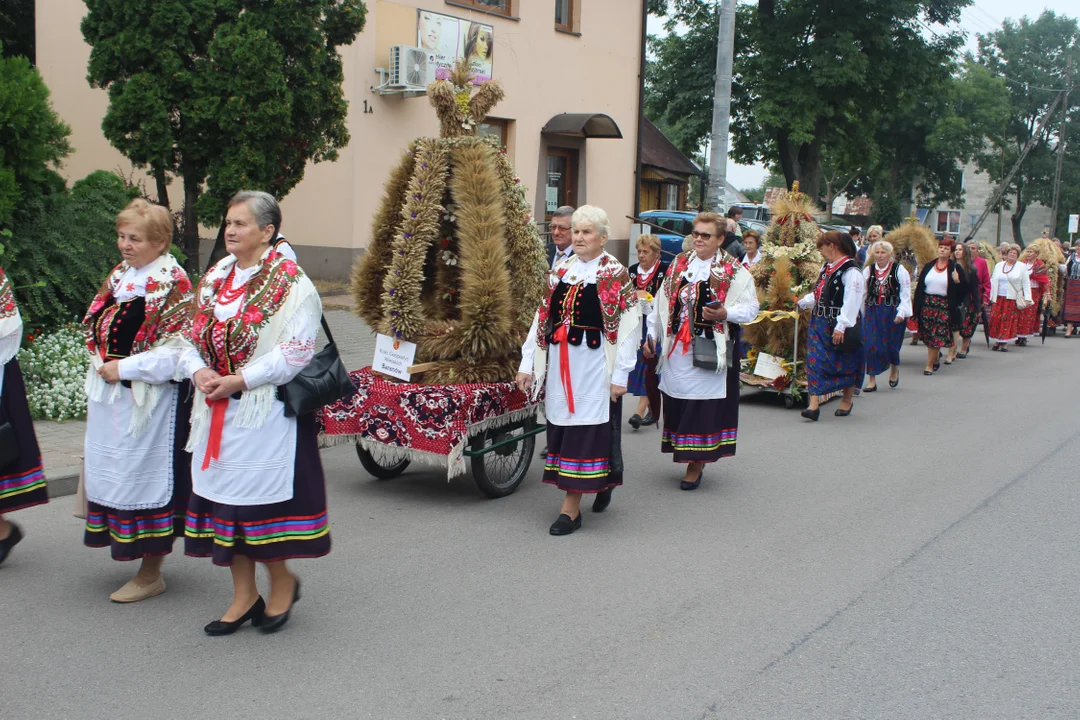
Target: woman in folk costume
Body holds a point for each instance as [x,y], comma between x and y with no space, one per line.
[1071,312]
[22,480]
[888,306]
[939,294]
[836,300]
[707,293]
[971,303]
[1010,286]
[258,493]
[138,476]
[1031,317]
[647,275]
[581,349]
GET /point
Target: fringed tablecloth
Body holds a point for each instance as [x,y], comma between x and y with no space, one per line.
[431,424]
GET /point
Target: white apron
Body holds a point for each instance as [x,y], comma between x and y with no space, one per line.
[127,472]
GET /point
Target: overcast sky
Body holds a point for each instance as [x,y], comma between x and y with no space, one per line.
[980,17]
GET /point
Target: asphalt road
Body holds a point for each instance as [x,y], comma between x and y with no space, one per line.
[915,560]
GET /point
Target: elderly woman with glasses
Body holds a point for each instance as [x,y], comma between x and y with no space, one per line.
[888,306]
[834,358]
[707,293]
[581,349]
[647,275]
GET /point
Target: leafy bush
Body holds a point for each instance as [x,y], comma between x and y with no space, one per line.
[33,140]
[54,367]
[62,246]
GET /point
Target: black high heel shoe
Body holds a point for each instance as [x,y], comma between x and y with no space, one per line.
[841,412]
[224,627]
[273,623]
[811,414]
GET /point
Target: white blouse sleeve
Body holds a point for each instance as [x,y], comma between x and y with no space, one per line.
[626,358]
[287,359]
[1025,284]
[190,363]
[528,350]
[995,281]
[156,366]
[807,301]
[745,307]
[854,294]
[904,310]
[10,343]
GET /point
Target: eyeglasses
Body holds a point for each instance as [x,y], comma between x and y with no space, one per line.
[559,227]
[704,236]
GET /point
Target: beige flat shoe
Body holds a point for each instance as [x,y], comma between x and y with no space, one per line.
[132,592]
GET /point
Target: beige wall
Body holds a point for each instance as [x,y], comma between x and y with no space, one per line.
[328,216]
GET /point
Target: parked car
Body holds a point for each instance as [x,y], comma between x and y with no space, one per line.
[671,226]
[754,211]
[758,225]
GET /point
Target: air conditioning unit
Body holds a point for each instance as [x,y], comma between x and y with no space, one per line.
[409,72]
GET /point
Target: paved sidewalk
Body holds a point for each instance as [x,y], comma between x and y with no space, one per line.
[62,443]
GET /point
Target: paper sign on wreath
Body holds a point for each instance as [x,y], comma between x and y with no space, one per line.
[769,366]
[393,357]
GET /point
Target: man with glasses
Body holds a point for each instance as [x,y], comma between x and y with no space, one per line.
[562,236]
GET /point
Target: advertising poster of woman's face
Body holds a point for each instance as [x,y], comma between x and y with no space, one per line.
[479,48]
[445,39]
[440,37]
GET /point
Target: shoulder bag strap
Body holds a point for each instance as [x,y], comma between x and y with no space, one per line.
[326,328]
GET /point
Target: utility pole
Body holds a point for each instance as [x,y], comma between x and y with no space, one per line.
[721,116]
[1061,148]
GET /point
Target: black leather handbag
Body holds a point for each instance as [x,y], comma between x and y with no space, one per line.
[705,351]
[9,445]
[325,380]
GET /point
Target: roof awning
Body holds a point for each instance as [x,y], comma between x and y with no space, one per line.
[586,125]
[659,174]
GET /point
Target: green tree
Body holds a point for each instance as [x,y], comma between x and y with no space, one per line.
[33,139]
[926,136]
[224,94]
[62,246]
[806,73]
[1033,55]
[17,28]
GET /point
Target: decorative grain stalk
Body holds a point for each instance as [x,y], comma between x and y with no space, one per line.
[455,264]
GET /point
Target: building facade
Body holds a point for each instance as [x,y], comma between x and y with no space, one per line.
[957,219]
[570,69]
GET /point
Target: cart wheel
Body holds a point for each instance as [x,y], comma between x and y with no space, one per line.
[499,472]
[789,402]
[382,472]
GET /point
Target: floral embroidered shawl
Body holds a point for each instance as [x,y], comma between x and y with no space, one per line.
[723,271]
[276,291]
[10,321]
[168,305]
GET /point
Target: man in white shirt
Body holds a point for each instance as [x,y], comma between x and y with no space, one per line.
[562,235]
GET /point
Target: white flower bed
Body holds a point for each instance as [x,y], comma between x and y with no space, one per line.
[54,367]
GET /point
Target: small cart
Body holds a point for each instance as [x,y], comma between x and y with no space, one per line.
[394,423]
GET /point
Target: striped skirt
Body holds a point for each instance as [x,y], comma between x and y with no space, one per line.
[296,528]
[1071,312]
[135,534]
[585,458]
[22,483]
[702,430]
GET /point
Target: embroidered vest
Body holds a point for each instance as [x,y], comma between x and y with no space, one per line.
[891,290]
[832,295]
[582,304]
[116,325]
[703,296]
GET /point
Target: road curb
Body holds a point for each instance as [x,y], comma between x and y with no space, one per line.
[63,481]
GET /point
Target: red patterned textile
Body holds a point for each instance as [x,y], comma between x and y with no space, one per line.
[426,422]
